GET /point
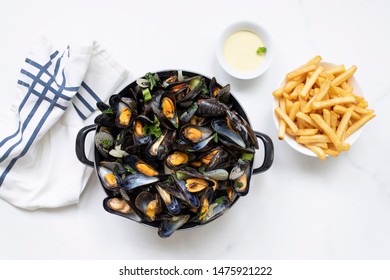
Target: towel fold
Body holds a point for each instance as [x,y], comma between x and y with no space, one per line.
[56,93]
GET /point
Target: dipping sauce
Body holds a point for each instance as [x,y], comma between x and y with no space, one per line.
[240,50]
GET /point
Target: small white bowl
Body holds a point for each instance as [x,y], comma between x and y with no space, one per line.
[258,30]
[302,149]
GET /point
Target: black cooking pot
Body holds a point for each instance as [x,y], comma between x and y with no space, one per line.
[80,147]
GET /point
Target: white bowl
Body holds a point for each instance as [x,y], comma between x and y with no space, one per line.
[302,149]
[258,30]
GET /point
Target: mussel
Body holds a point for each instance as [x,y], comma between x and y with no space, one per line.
[149,204]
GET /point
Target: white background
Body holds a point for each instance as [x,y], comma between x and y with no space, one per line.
[302,208]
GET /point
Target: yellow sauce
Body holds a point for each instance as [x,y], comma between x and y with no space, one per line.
[240,51]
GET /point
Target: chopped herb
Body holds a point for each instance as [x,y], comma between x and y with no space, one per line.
[261,50]
[151,79]
[106,143]
[146,94]
[153,129]
[215,137]
[219,200]
[239,185]
[108,111]
[248,157]
[129,169]
[181,175]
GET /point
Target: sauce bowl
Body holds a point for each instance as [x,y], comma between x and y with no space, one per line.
[255,28]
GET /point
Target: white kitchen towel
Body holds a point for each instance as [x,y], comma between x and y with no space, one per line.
[56,92]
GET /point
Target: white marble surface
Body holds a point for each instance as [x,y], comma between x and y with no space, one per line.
[302,208]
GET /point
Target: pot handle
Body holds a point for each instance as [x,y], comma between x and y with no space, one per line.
[80,144]
[268,153]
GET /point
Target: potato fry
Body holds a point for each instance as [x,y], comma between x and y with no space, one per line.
[344,76]
[332,102]
[344,123]
[282,115]
[309,84]
[327,130]
[358,124]
[318,138]
[318,151]
[319,109]
[300,71]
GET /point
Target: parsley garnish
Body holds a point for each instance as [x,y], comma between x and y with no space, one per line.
[261,50]
[151,79]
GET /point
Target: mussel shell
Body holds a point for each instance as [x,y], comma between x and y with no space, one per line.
[211,107]
[141,138]
[239,169]
[243,128]
[142,201]
[186,116]
[191,198]
[114,166]
[161,147]
[170,225]
[222,128]
[158,109]
[186,134]
[221,94]
[170,201]
[243,179]
[105,119]
[137,180]
[102,172]
[189,156]
[131,215]
[119,106]
[135,162]
[217,208]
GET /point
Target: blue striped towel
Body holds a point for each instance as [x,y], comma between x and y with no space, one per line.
[56,93]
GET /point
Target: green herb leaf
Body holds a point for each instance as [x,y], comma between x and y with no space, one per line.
[107,143]
[261,50]
[146,94]
[108,111]
[239,185]
[215,137]
[247,156]
[151,79]
[181,175]
[129,169]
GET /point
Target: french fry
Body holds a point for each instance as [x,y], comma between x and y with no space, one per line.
[336,69]
[307,132]
[332,102]
[344,122]
[282,123]
[318,151]
[318,138]
[344,76]
[309,84]
[300,71]
[358,124]
[282,115]
[327,130]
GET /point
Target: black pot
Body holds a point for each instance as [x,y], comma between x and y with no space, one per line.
[265,139]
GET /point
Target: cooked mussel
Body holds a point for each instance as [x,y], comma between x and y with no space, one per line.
[222,128]
[164,106]
[139,134]
[104,141]
[120,207]
[149,204]
[109,179]
[211,107]
[170,225]
[162,145]
[140,166]
[137,180]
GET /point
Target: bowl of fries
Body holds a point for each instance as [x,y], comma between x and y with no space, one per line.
[319,108]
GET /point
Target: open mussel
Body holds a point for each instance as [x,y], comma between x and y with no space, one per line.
[140,166]
[179,159]
[238,124]
[170,201]
[170,225]
[161,146]
[139,132]
[137,180]
[223,129]
[104,141]
[222,94]
[125,109]
[108,177]
[149,204]
[164,106]
[120,207]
